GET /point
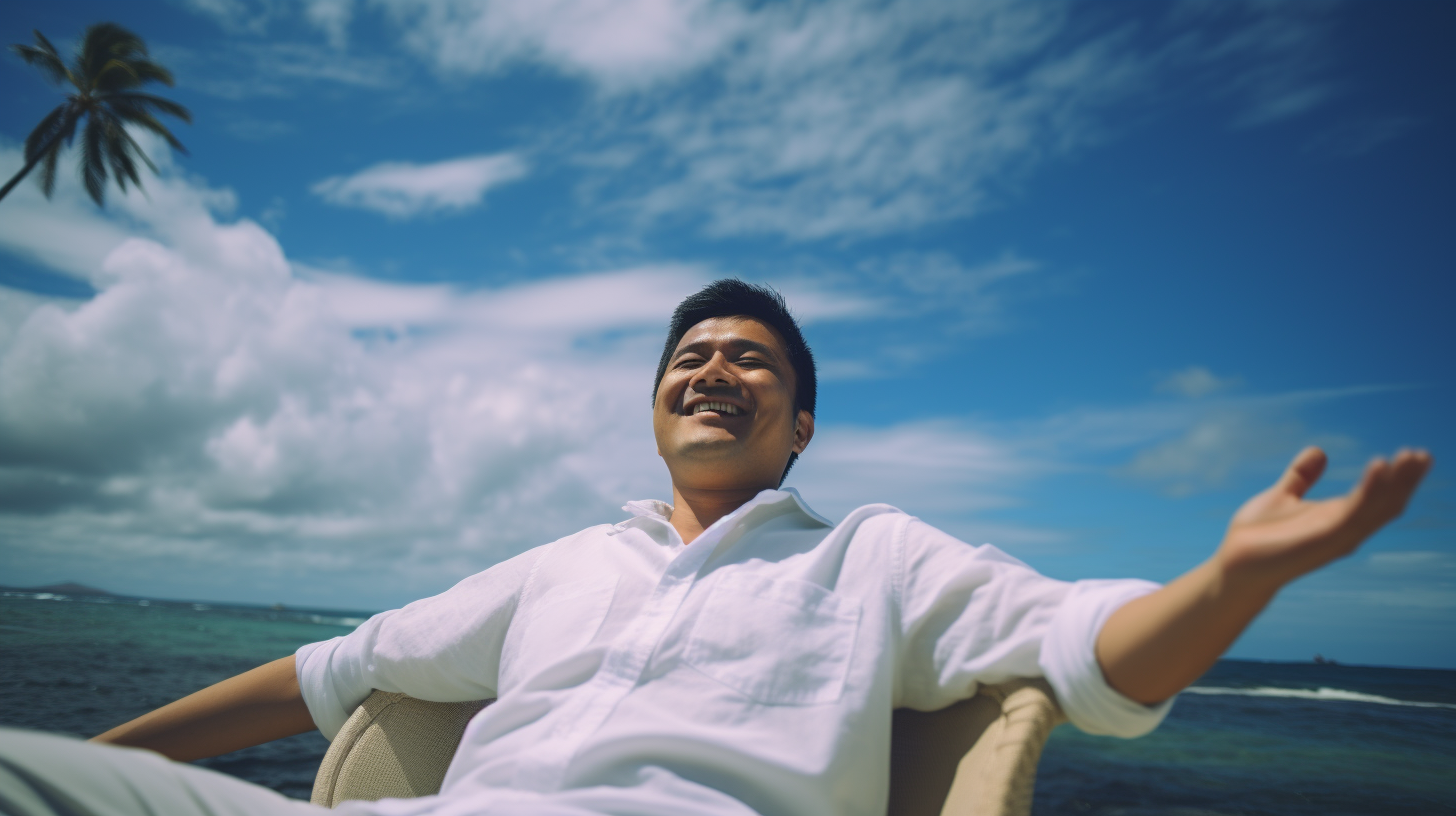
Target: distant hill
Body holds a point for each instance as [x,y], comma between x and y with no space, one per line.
[68,588]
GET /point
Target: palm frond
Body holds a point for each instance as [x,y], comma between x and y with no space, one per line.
[115,75]
[150,71]
[43,55]
[133,147]
[42,134]
[118,153]
[150,122]
[134,106]
[122,74]
[93,159]
[102,43]
[47,176]
[107,68]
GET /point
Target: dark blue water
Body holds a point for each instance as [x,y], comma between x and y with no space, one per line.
[1251,738]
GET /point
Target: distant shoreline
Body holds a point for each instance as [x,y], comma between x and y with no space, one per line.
[70,590]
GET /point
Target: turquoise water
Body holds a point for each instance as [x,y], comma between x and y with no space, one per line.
[1252,738]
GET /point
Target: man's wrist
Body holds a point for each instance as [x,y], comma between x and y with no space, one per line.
[1242,582]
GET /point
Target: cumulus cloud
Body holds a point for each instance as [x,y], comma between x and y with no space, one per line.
[405,190]
[215,402]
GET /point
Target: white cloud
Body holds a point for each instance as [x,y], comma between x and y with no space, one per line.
[616,43]
[405,190]
[247,69]
[1195,382]
[332,17]
[1204,456]
[1427,563]
[844,120]
[214,403]
[948,471]
[856,120]
[223,411]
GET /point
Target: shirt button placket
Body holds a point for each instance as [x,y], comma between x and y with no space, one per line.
[624,664]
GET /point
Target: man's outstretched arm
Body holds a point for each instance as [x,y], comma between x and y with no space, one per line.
[1154,646]
[252,708]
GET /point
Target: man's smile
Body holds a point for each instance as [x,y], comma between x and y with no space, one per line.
[718,407]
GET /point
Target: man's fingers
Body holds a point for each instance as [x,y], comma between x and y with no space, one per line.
[1303,472]
[1406,472]
[1387,486]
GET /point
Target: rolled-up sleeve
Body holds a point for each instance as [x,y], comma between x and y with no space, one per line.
[975,615]
[444,648]
[1069,661]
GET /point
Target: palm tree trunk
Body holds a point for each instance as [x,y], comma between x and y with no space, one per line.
[30,165]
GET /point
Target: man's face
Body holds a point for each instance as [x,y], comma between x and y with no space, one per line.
[724,417]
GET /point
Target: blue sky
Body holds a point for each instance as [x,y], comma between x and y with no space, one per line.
[1080,278]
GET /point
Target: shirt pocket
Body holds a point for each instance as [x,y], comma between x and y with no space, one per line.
[777,642]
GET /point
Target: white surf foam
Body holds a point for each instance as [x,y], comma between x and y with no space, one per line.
[333,621]
[1314,694]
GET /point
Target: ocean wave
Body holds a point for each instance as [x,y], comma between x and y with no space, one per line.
[1322,694]
[336,621]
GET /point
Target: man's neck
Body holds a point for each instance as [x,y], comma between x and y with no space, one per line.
[694,510]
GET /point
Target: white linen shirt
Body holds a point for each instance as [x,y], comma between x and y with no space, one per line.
[753,671]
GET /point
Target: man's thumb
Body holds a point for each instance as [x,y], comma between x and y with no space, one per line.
[1304,471]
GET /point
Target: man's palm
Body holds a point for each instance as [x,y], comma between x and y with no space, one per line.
[1278,535]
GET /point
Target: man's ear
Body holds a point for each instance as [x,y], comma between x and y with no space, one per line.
[803,431]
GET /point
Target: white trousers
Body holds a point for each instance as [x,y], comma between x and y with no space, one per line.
[49,775]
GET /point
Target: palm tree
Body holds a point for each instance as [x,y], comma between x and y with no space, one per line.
[105,71]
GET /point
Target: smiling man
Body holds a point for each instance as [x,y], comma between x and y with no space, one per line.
[733,652]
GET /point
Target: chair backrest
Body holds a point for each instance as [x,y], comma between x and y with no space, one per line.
[975,758]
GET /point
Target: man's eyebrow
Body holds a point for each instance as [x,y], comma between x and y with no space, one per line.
[705,347]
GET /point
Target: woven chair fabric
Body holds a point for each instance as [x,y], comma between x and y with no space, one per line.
[975,758]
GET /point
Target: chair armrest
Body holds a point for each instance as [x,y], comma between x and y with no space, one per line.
[997,776]
[392,746]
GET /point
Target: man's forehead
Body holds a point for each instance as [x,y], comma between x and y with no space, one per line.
[739,329]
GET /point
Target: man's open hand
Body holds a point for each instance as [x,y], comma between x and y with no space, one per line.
[1278,535]
[1154,646]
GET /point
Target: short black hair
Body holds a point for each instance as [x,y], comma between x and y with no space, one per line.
[731,297]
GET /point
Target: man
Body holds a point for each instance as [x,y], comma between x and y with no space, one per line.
[733,652]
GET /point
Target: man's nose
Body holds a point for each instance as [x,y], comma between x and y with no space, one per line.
[715,372]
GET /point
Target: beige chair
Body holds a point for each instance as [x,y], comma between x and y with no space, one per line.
[975,758]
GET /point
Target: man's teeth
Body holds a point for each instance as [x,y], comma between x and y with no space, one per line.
[720,407]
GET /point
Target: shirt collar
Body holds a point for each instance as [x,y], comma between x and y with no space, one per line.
[661,510]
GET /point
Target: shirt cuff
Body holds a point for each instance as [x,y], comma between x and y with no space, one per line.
[329,709]
[1069,660]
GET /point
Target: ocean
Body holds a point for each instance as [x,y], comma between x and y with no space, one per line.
[1247,738]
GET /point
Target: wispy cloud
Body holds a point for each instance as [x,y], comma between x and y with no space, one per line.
[1360,136]
[853,120]
[249,68]
[841,121]
[406,190]
[616,44]
[1196,381]
[1271,59]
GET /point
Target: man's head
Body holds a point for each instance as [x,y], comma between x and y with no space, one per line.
[733,403]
